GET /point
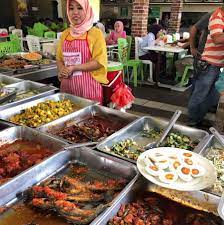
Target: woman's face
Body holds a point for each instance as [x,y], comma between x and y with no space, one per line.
[76,13]
[117,27]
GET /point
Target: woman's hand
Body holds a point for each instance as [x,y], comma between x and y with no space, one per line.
[66,72]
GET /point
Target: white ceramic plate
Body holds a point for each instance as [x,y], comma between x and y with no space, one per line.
[196,184]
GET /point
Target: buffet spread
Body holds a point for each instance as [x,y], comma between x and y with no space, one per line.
[67,160]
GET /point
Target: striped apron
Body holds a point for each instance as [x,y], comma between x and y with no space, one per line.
[80,83]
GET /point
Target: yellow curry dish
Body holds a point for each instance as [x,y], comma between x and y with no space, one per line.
[44,112]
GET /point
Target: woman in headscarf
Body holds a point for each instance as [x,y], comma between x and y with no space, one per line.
[117,33]
[82,54]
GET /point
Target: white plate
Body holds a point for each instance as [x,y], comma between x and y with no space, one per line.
[196,184]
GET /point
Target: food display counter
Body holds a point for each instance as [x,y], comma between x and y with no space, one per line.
[48,175]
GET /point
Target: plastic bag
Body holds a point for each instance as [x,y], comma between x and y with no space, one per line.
[122,97]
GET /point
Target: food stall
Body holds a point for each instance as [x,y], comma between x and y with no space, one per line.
[68,160]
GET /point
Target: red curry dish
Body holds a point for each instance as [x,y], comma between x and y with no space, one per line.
[18,156]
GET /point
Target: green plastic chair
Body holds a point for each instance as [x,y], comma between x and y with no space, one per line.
[50,34]
[185,76]
[129,40]
[30,31]
[133,64]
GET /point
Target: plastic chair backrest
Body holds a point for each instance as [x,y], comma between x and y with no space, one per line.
[33,43]
[129,40]
[11,28]
[18,32]
[137,47]
[50,34]
[122,50]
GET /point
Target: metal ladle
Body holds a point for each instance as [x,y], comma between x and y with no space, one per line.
[170,125]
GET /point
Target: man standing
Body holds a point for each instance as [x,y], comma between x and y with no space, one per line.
[204,95]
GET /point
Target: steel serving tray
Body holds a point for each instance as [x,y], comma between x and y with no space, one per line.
[52,64]
[27,70]
[7,71]
[133,131]
[210,141]
[8,80]
[25,133]
[54,164]
[4,125]
[115,115]
[142,185]
[25,86]
[7,113]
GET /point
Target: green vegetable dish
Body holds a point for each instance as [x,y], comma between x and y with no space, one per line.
[152,133]
[178,140]
[127,148]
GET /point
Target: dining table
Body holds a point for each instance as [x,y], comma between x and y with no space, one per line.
[161,50]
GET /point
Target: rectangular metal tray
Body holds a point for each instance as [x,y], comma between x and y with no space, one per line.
[210,141]
[7,71]
[8,80]
[27,70]
[142,186]
[52,64]
[27,86]
[133,130]
[93,110]
[7,113]
[4,125]
[8,189]
[54,164]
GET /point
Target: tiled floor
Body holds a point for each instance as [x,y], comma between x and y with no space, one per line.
[162,102]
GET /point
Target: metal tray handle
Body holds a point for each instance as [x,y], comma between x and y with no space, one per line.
[173,120]
[217,135]
[80,145]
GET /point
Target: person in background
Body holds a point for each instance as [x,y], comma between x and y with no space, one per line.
[101,27]
[82,54]
[198,36]
[155,28]
[61,25]
[117,33]
[204,94]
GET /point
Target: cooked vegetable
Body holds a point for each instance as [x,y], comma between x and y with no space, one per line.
[44,112]
[26,95]
[216,156]
[127,148]
[152,133]
[177,140]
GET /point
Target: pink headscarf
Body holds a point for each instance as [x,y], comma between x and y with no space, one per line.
[87,23]
[121,27]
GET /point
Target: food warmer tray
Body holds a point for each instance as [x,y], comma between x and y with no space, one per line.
[133,130]
[4,125]
[26,70]
[53,165]
[93,110]
[198,199]
[7,113]
[210,141]
[8,80]
[52,64]
[7,71]
[25,86]
[8,189]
